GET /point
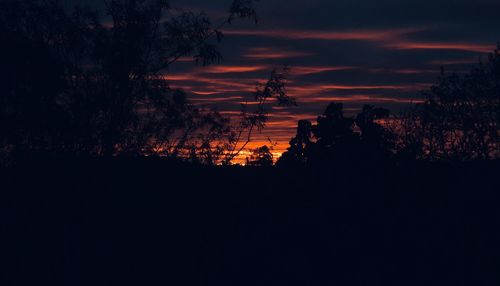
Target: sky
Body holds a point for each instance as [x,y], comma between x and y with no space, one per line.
[357,52]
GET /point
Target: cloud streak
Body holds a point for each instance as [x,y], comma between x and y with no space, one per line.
[348,35]
[469,47]
[268,53]
[386,38]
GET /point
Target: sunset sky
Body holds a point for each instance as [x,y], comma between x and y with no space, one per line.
[354,51]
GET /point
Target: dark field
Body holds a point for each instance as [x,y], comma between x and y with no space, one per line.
[155,222]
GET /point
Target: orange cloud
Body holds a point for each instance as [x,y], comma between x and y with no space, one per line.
[306,90]
[307,70]
[365,99]
[188,82]
[469,47]
[219,69]
[204,92]
[266,53]
[217,99]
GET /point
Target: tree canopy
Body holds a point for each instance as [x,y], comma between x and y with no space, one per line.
[78,84]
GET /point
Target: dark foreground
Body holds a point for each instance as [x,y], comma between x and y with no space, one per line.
[150,222]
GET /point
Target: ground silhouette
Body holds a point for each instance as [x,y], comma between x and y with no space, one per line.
[149,221]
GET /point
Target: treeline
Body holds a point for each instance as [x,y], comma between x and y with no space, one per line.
[95,83]
[458,121]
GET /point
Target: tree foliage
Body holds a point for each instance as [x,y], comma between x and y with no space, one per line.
[78,84]
[337,139]
[261,157]
[460,118]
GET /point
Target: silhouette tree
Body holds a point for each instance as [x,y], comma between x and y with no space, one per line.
[261,157]
[335,136]
[31,117]
[297,154]
[251,121]
[459,119]
[407,136]
[74,84]
[376,141]
[337,139]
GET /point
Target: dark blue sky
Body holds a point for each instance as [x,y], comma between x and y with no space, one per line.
[355,51]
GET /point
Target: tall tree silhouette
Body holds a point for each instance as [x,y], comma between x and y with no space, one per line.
[256,119]
[32,76]
[297,154]
[335,136]
[460,118]
[74,84]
